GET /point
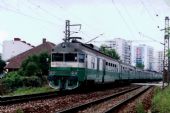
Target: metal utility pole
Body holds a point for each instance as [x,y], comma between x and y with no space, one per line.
[67,31]
[166,62]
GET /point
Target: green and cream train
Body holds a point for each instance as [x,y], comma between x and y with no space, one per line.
[75,63]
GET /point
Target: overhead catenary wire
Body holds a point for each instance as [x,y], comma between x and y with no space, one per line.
[76,17]
[18,11]
[131,18]
[148,12]
[146,36]
[124,20]
[45,11]
[26,15]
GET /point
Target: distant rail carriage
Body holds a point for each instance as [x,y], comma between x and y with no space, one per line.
[75,63]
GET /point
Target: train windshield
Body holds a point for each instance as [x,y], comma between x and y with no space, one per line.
[71,57]
[68,57]
[57,57]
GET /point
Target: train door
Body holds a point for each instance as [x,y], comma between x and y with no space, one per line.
[104,70]
[98,64]
[121,73]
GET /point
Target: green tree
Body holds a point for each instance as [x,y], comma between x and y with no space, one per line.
[31,73]
[35,65]
[2,65]
[110,52]
[140,65]
[32,69]
[44,63]
[168,54]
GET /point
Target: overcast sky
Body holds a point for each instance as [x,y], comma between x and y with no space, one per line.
[32,20]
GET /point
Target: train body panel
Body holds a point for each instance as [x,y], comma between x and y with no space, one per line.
[74,64]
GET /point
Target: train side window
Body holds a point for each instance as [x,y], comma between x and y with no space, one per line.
[81,58]
[106,63]
[93,63]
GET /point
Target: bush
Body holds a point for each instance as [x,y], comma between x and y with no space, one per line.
[32,81]
[31,74]
[12,80]
[43,79]
[32,69]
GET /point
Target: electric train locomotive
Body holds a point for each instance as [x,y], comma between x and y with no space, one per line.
[74,63]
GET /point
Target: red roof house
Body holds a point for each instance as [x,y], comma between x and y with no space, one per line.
[15,62]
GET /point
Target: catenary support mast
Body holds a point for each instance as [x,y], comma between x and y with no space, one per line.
[68,31]
[166,69]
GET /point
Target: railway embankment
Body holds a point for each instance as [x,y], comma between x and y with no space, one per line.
[142,104]
[161,100]
[155,100]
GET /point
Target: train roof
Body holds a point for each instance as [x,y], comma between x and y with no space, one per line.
[78,46]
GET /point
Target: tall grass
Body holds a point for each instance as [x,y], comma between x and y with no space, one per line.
[30,90]
[140,108]
[161,101]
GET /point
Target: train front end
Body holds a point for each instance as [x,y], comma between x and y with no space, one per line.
[67,69]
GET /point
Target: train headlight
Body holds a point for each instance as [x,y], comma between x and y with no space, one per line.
[74,73]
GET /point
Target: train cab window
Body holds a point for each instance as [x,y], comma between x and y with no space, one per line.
[71,57]
[81,58]
[57,57]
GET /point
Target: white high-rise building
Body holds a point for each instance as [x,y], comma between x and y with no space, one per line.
[159,61]
[123,48]
[143,54]
[14,47]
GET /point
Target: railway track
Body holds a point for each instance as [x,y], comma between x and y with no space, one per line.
[39,103]
[107,104]
[6,100]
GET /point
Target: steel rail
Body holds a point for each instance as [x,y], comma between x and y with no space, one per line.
[6,100]
[115,107]
[85,105]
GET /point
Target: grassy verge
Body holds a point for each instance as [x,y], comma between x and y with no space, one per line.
[161,101]
[140,107]
[30,90]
